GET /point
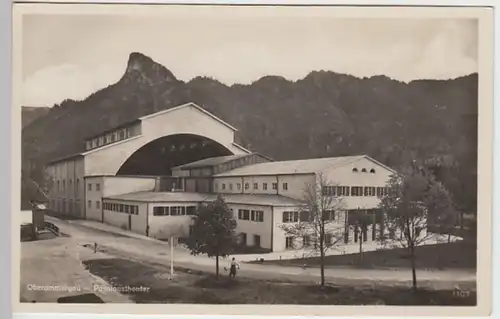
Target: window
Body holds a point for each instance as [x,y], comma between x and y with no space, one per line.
[290,217]
[372,171]
[89,187]
[98,204]
[244,214]
[101,141]
[58,186]
[223,186]
[356,191]
[285,186]
[355,170]
[329,215]
[108,138]
[369,191]
[89,145]
[363,170]
[306,241]
[275,185]
[255,186]
[90,204]
[136,210]
[158,211]
[77,185]
[113,137]
[264,186]
[175,211]
[98,187]
[257,215]
[231,186]
[94,143]
[64,185]
[247,186]
[127,209]
[289,242]
[328,239]
[238,186]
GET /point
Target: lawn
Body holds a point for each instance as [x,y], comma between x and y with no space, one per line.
[457,255]
[200,288]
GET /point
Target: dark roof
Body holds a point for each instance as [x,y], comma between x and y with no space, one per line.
[247,199]
[211,161]
[62,159]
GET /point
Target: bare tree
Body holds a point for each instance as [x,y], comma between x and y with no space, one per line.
[413,195]
[316,222]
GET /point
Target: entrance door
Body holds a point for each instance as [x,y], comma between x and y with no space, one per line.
[256,240]
[129,222]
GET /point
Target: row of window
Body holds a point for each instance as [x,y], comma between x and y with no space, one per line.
[253,215]
[355,191]
[303,216]
[97,204]
[109,138]
[247,186]
[60,205]
[363,170]
[97,187]
[62,187]
[174,210]
[121,208]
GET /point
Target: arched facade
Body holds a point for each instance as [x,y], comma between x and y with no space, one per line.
[70,174]
[187,119]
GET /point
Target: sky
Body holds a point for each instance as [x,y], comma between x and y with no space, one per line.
[71,56]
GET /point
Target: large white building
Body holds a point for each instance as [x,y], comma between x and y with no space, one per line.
[196,159]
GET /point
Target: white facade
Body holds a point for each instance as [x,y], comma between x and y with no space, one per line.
[185,119]
[67,193]
[99,187]
[107,153]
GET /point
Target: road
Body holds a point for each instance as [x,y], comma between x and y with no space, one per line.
[157,253]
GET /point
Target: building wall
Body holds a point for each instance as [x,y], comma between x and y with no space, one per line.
[251,228]
[185,120]
[67,193]
[295,185]
[344,176]
[162,227]
[127,220]
[94,192]
[107,186]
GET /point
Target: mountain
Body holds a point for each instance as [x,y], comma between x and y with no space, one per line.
[30,114]
[323,114]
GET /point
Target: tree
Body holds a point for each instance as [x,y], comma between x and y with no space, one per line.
[213,232]
[362,221]
[413,196]
[316,220]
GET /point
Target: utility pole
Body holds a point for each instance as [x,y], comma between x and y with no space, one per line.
[171,256]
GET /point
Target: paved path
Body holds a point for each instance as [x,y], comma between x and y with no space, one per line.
[153,251]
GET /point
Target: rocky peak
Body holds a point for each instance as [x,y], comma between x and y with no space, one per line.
[146,70]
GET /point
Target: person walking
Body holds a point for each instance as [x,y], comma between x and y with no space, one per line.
[233,268]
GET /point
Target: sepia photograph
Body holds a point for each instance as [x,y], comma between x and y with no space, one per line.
[252,155]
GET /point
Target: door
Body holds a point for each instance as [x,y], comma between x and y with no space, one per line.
[256,240]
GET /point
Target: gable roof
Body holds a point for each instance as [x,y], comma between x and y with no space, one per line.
[246,199]
[306,166]
[190,104]
[211,161]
